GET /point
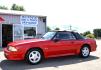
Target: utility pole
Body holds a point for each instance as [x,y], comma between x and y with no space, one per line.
[70,27]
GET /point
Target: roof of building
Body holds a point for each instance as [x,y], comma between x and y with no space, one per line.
[12,12]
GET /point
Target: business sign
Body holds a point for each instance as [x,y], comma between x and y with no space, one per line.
[29,20]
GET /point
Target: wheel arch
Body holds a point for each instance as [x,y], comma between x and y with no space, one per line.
[35,48]
[86,45]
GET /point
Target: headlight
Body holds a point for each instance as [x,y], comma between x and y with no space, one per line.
[10,48]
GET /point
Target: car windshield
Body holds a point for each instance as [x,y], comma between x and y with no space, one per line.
[48,35]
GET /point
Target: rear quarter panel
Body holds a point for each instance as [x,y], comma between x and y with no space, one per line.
[90,42]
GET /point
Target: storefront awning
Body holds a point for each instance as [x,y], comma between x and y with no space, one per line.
[1,19]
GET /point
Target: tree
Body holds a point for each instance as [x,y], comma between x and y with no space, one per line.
[86,33]
[57,28]
[22,8]
[97,33]
[18,8]
[3,7]
[48,29]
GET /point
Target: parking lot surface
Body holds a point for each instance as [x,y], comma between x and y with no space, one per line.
[60,63]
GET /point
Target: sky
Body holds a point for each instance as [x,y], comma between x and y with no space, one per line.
[82,15]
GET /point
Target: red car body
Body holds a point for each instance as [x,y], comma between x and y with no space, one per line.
[49,47]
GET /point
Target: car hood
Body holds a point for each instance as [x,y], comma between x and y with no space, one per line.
[24,41]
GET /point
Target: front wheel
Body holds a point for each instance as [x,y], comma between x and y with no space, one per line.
[34,56]
[85,51]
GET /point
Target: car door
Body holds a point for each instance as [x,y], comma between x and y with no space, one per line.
[66,43]
[78,42]
[62,44]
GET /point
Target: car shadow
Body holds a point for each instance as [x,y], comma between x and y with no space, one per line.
[52,62]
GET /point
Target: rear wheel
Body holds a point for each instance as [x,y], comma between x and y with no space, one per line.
[34,56]
[85,51]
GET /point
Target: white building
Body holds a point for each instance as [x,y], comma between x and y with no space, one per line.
[19,26]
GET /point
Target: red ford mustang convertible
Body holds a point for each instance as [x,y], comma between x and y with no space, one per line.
[52,44]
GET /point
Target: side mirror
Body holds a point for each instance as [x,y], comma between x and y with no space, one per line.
[56,39]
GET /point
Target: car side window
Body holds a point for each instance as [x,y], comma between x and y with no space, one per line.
[65,36]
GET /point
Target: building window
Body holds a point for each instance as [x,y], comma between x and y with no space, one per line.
[18,32]
[29,32]
[44,20]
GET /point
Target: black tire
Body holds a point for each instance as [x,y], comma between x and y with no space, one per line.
[29,54]
[85,54]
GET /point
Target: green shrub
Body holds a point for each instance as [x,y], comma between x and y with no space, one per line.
[90,36]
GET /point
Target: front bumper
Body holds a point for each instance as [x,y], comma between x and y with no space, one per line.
[13,55]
